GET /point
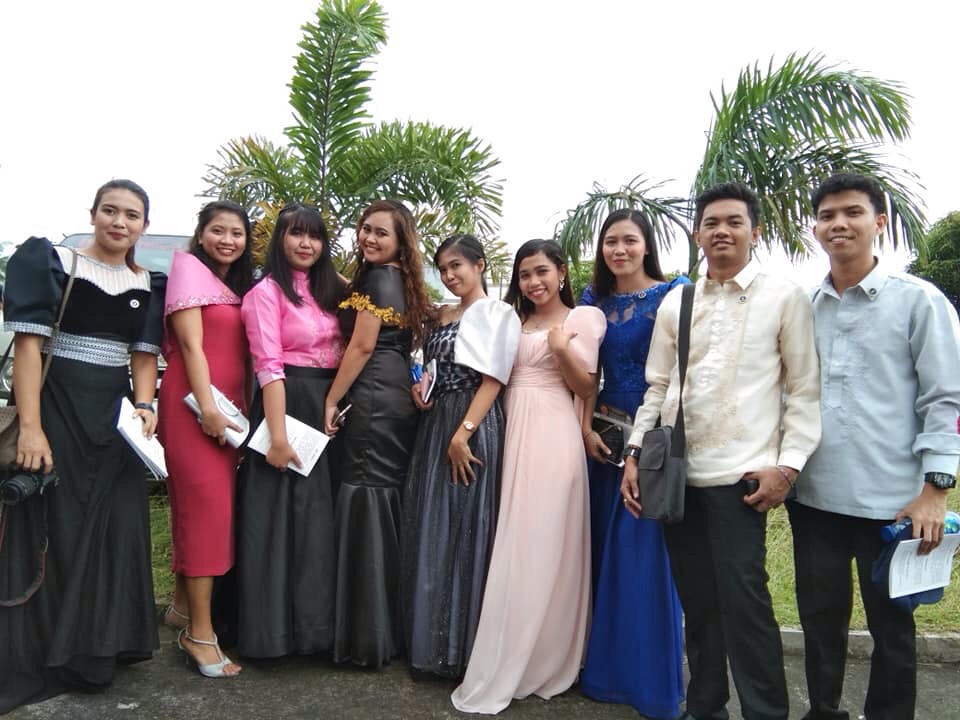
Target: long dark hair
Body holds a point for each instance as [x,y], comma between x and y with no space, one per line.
[469,248]
[419,309]
[554,254]
[131,186]
[604,282]
[326,287]
[239,276]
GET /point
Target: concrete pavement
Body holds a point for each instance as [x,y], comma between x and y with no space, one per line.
[307,687]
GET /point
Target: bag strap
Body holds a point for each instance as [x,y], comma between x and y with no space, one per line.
[55,328]
[42,563]
[41,571]
[679,444]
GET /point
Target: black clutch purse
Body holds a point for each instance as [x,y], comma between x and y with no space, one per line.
[614,426]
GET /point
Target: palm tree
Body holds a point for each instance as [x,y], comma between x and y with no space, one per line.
[781,132]
[337,159]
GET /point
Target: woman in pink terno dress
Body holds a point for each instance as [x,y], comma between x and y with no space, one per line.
[536,605]
[204,344]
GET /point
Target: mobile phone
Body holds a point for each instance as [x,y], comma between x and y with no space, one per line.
[341,417]
[750,485]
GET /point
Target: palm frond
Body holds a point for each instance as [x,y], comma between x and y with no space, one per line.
[906,219]
[804,100]
[784,130]
[330,87]
[444,173]
[253,170]
[669,216]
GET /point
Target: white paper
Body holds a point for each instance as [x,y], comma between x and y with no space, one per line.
[307,442]
[231,411]
[911,573]
[430,371]
[149,450]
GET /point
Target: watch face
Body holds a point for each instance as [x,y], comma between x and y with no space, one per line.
[943,481]
[468,425]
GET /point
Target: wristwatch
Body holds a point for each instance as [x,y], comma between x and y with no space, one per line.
[631,451]
[469,426]
[941,481]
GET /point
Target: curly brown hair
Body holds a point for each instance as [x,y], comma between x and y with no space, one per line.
[419,309]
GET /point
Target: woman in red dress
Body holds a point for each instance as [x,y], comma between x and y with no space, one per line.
[204,344]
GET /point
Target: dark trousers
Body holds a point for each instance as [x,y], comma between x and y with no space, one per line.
[824,543]
[718,556]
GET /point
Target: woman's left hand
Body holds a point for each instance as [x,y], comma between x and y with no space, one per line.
[149,419]
[558,339]
[329,415]
[461,458]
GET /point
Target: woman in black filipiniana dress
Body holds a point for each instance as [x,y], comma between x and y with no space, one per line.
[383,316]
[95,607]
[450,506]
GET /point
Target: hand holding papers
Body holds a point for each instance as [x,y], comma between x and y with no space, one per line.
[307,442]
[149,449]
[912,573]
[228,410]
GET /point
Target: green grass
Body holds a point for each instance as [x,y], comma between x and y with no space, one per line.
[944,616]
[162,542]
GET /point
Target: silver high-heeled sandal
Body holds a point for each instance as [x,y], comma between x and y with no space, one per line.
[214,670]
[175,623]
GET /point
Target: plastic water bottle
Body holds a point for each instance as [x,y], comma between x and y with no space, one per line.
[951,525]
[903,530]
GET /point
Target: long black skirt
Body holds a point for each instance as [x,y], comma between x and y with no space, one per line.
[375,446]
[96,604]
[448,537]
[285,559]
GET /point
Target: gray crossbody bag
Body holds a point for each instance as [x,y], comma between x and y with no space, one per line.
[662,464]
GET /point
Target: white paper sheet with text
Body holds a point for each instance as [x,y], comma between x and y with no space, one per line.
[307,442]
[911,573]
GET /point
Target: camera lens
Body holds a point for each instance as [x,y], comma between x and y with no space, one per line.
[11,492]
[17,488]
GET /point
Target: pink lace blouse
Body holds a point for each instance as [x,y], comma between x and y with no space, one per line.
[281,333]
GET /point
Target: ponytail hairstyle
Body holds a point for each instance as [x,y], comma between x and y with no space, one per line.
[468,247]
[130,186]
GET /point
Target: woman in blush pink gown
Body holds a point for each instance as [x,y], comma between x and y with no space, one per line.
[533,626]
[204,344]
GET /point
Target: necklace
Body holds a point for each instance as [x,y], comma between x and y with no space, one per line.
[543,321]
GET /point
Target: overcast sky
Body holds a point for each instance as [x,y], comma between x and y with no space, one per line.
[566,93]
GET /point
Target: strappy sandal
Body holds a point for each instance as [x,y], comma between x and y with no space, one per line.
[214,670]
[179,621]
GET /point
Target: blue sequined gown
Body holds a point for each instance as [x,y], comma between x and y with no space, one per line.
[635,654]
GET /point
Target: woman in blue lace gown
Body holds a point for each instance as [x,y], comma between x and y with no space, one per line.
[635,654]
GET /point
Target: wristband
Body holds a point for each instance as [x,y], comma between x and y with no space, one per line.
[144,406]
[786,476]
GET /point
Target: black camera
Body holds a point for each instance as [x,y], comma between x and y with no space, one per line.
[19,485]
